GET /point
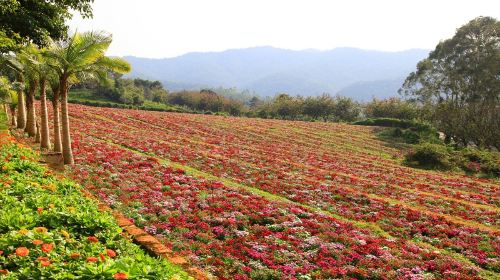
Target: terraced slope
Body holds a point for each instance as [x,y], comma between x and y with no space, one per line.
[249,198]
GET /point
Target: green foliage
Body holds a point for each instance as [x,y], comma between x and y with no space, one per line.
[474,161]
[390,108]
[441,157]
[36,21]
[391,122]
[3,121]
[324,107]
[38,208]
[429,156]
[206,101]
[459,83]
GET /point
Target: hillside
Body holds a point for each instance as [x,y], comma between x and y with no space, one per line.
[250,198]
[267,70]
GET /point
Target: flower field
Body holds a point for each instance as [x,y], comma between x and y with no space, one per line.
[265,199]
[48,230]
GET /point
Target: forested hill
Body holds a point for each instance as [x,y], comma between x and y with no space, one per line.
[358,73]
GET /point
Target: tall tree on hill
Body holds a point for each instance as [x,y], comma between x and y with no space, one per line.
[81,57]
[461,80]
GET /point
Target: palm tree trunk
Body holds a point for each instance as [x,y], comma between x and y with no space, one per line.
[44,126]
[38,137]
[57,121]
[21,109]
[66,137]
[13,116]
[30,104]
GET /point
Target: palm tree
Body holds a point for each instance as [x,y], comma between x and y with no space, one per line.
[56,101]
[82,56]
[41,72]
[14,63]
[34,67]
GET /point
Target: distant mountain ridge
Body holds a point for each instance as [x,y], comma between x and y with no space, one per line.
[357,73]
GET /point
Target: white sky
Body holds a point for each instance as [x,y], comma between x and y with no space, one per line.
[167,28]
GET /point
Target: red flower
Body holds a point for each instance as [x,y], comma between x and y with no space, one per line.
[74,255]
[45,263]
[37,242]
[93,239]
[1,252]
[120,276]
[47,247]
[39,210]
[102,257]
[111,253]
[5,271]
[92,259]
[22,251]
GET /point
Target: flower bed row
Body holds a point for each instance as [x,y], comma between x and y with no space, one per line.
[48,230]
[238,235]
[348,196]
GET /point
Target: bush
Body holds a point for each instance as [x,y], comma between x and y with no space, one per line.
[391,108]
[474,160]
[49,230]
[391,122]
[430,156]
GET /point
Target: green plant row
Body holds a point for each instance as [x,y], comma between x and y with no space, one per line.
[441,157]
[49,230]
[391,122]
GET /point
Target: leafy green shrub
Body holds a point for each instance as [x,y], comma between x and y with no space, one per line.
[430,156]
[475,160]
[391,122]
[49,230]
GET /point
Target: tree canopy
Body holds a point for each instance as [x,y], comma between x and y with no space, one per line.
[35,21]
[460,81]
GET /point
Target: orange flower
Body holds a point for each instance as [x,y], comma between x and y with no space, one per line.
[23,231]
[111,253]
[120,276]
[93,239]
[37,242]
[1,252]
[74,255]
[39,210]
[22,251]
[4,271]
[42,259]
[41,229]
[45,263]
[92,259]
[47,247]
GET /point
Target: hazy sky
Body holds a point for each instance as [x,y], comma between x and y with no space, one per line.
[167,28]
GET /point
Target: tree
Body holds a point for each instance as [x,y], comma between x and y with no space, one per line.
[7,97]
[36,21]
[41,72]
[318,106]
[81,57]
[460,80]
[14,64]
[391,108]
[345,109]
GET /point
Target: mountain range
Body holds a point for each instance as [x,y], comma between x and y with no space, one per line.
[361,74]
